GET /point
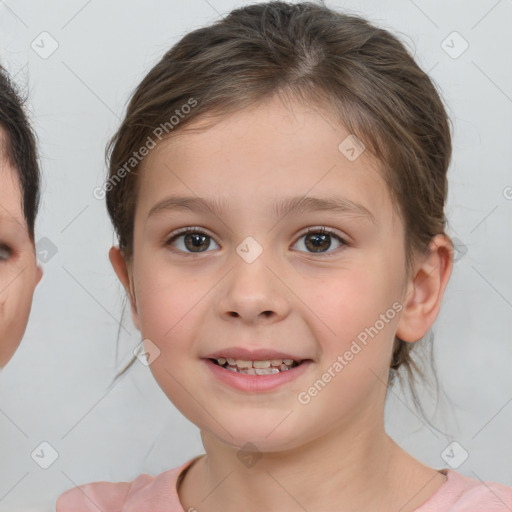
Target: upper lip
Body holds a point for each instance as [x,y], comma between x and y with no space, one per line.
[260,354]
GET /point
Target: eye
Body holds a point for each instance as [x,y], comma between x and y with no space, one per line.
[319,240]
[190,239]
[195,240]
[5,252]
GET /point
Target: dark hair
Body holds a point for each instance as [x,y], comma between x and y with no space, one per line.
[19,145]
[358,73]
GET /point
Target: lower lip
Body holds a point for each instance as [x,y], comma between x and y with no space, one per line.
[257,383]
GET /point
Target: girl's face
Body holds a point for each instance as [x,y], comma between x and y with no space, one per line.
[252,278]
[19,273]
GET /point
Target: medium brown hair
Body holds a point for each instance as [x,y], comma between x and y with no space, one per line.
[360,74]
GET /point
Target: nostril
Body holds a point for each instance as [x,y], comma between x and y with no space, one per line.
[234,314]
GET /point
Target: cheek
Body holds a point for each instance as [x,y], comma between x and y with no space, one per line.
[167,304]
[171,309]
[350,299]
[359,312]
[15,304]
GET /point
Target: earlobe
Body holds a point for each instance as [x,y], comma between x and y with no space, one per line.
[39,274]
[425,292]
[121,269]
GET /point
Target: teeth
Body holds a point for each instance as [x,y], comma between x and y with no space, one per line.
[261,364]
[266,367]
[242,363]
[266,371]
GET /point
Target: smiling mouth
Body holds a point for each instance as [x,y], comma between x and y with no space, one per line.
[267,367]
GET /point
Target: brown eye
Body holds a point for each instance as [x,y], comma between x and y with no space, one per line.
[5,252]
[192,241]
[320,240]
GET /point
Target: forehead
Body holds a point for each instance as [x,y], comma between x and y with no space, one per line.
[257,155]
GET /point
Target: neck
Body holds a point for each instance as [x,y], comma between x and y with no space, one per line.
[360,469]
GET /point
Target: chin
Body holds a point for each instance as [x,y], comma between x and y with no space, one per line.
[261,437]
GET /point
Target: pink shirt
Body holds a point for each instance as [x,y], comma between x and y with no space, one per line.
[159,494]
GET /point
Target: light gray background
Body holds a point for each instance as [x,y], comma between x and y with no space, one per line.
[55,389]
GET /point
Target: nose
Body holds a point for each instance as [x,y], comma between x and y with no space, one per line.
[252,293]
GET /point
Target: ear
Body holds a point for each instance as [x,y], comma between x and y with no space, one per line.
[39,274]
[425,291]
[123,273]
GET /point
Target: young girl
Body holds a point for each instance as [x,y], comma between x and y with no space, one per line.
[277,187]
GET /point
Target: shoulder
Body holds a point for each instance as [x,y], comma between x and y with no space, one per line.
[104,496]
[484,495]
[462,493]
[145,490]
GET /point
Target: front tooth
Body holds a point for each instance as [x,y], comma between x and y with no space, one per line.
[231,361]
[243,364]
[266,371]
[261,364]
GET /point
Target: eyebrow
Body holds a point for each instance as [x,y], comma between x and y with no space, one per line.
[279,209]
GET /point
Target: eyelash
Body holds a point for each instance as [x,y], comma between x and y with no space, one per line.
[198,231]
